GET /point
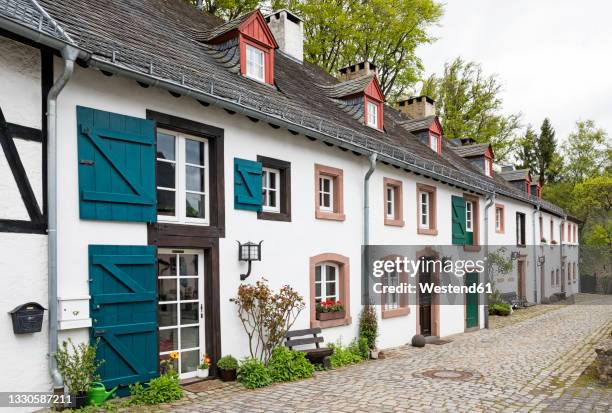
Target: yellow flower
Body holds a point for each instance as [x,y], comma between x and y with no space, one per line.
[174,355]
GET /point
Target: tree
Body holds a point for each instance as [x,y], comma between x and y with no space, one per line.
[526,150]
[545,151]
[227,9]
[469,105]
[587,152]
[593,205]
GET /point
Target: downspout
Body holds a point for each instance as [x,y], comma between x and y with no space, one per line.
[365,293]
[563,267]
[69,54]
[489,203]
[535,254]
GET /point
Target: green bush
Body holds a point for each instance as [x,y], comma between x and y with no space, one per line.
[227,363]
[499,309]
[252,373]
[368,325]
[364,348]
[343,356]
[162,389]
[289,365]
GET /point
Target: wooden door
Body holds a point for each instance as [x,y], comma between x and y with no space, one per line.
[425,302]
[471,302]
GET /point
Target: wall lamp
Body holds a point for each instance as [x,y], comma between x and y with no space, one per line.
[249,252]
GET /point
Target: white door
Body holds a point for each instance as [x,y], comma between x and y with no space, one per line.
[180,293]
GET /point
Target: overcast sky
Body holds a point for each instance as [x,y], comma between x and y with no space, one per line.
[553,57]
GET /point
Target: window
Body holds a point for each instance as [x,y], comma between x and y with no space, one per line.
[434,142]
[372,111]
[393,202]
[270,182]
[426,209]
[488,168]
[394,304]
[574,271]
[255,63]
[326,282]
[276,189]
[520,229]
[552,231]
[557,279]
[329,280]
[541,228]
[552,278]
[499,218]
[182,178]
[329,202]
[469,216]
[562,231]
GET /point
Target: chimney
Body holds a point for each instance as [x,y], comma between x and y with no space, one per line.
[417,107]
[356,70]
[288,30]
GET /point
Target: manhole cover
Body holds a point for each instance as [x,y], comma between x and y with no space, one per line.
[445,374]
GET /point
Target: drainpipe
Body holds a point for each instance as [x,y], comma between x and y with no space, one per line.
[489,203]
[535,254]
[563,268]
[69,54]
[365,293]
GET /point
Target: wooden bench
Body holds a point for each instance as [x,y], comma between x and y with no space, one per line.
[317,355]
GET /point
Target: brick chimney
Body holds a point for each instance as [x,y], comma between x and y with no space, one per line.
[288,31]
[356,70]
[417,107]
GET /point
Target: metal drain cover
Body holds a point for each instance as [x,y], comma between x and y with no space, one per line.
[446,374]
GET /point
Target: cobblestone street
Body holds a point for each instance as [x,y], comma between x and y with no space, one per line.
[526,366]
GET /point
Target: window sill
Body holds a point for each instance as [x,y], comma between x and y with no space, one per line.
[471,248]
[274,216]
[331,216]
[397,312]
[427,231]
[331,323]
[394,222]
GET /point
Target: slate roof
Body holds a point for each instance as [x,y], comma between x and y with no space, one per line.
[466,151]
[517,175]
[160,40]
[348,87]
[206,35]
[415,125]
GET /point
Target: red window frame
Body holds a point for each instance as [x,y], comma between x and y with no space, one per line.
[379,117]
[268,58]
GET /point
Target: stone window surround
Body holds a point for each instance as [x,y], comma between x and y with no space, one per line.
[397,186]
[403,308]
[344,284]
[338,193]
[475,246]
[502,218]
[432,230]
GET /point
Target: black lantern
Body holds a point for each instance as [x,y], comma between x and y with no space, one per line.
[541,260]
[248,251]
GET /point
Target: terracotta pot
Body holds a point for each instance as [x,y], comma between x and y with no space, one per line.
[227,375]
[331,316]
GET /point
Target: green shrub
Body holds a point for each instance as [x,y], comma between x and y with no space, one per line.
[368,325]
[343,356]
[289,365]
[227,363]
[364,348]
[252,373]
[499,309]
[78,365]
[162,389]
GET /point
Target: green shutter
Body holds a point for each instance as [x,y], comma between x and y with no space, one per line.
[116,156]
[458,220]
[471,301]
[123,308]
[247,185]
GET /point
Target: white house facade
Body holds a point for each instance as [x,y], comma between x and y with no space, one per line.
[166,147]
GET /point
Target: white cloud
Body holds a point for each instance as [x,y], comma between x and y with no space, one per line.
[554,58]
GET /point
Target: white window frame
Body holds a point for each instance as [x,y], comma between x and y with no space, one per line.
[323,282]
[434,141]
[322,192]
[487,167]
[424,202]
[252,65]
[372,110]
[498,219]
[266,189]
[180,184]
[469,216]
[393,297]
[390,202]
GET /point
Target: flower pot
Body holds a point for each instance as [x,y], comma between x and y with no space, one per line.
[331,316]
[202,373]
[227,375]
[78,400]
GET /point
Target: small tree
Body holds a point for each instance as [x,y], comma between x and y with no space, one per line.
[267,316]
[368,325]
[497,264]
[78,365]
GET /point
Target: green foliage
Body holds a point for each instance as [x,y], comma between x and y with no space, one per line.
[343,356]
[498,263]
[587,152]
[253,374]
[469,104]
[227,363]
[163,389]
[227,9]
[364,348]
[500,309]
[78,365]
[368,325]
[289,365]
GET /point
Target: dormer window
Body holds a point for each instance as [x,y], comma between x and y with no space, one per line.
[255,63]
[488,167]
[372,114]
[435,142]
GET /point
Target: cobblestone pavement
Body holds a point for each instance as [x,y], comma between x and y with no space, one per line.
[527,366]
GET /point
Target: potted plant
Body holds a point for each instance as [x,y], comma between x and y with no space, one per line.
[202,371]
[543,240]
[78,366]
[553,241]
[330,310]
[227,368]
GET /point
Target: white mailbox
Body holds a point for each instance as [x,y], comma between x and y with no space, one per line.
[73,312]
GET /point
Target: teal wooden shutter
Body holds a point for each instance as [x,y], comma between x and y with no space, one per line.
[471,301]
[458,220]
[122,286]
[116,156]
[247,185]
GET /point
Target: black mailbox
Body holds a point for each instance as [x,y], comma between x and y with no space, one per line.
[27,318]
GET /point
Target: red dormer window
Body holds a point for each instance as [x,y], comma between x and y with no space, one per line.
[435,136]
[488,162]
[373,105]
